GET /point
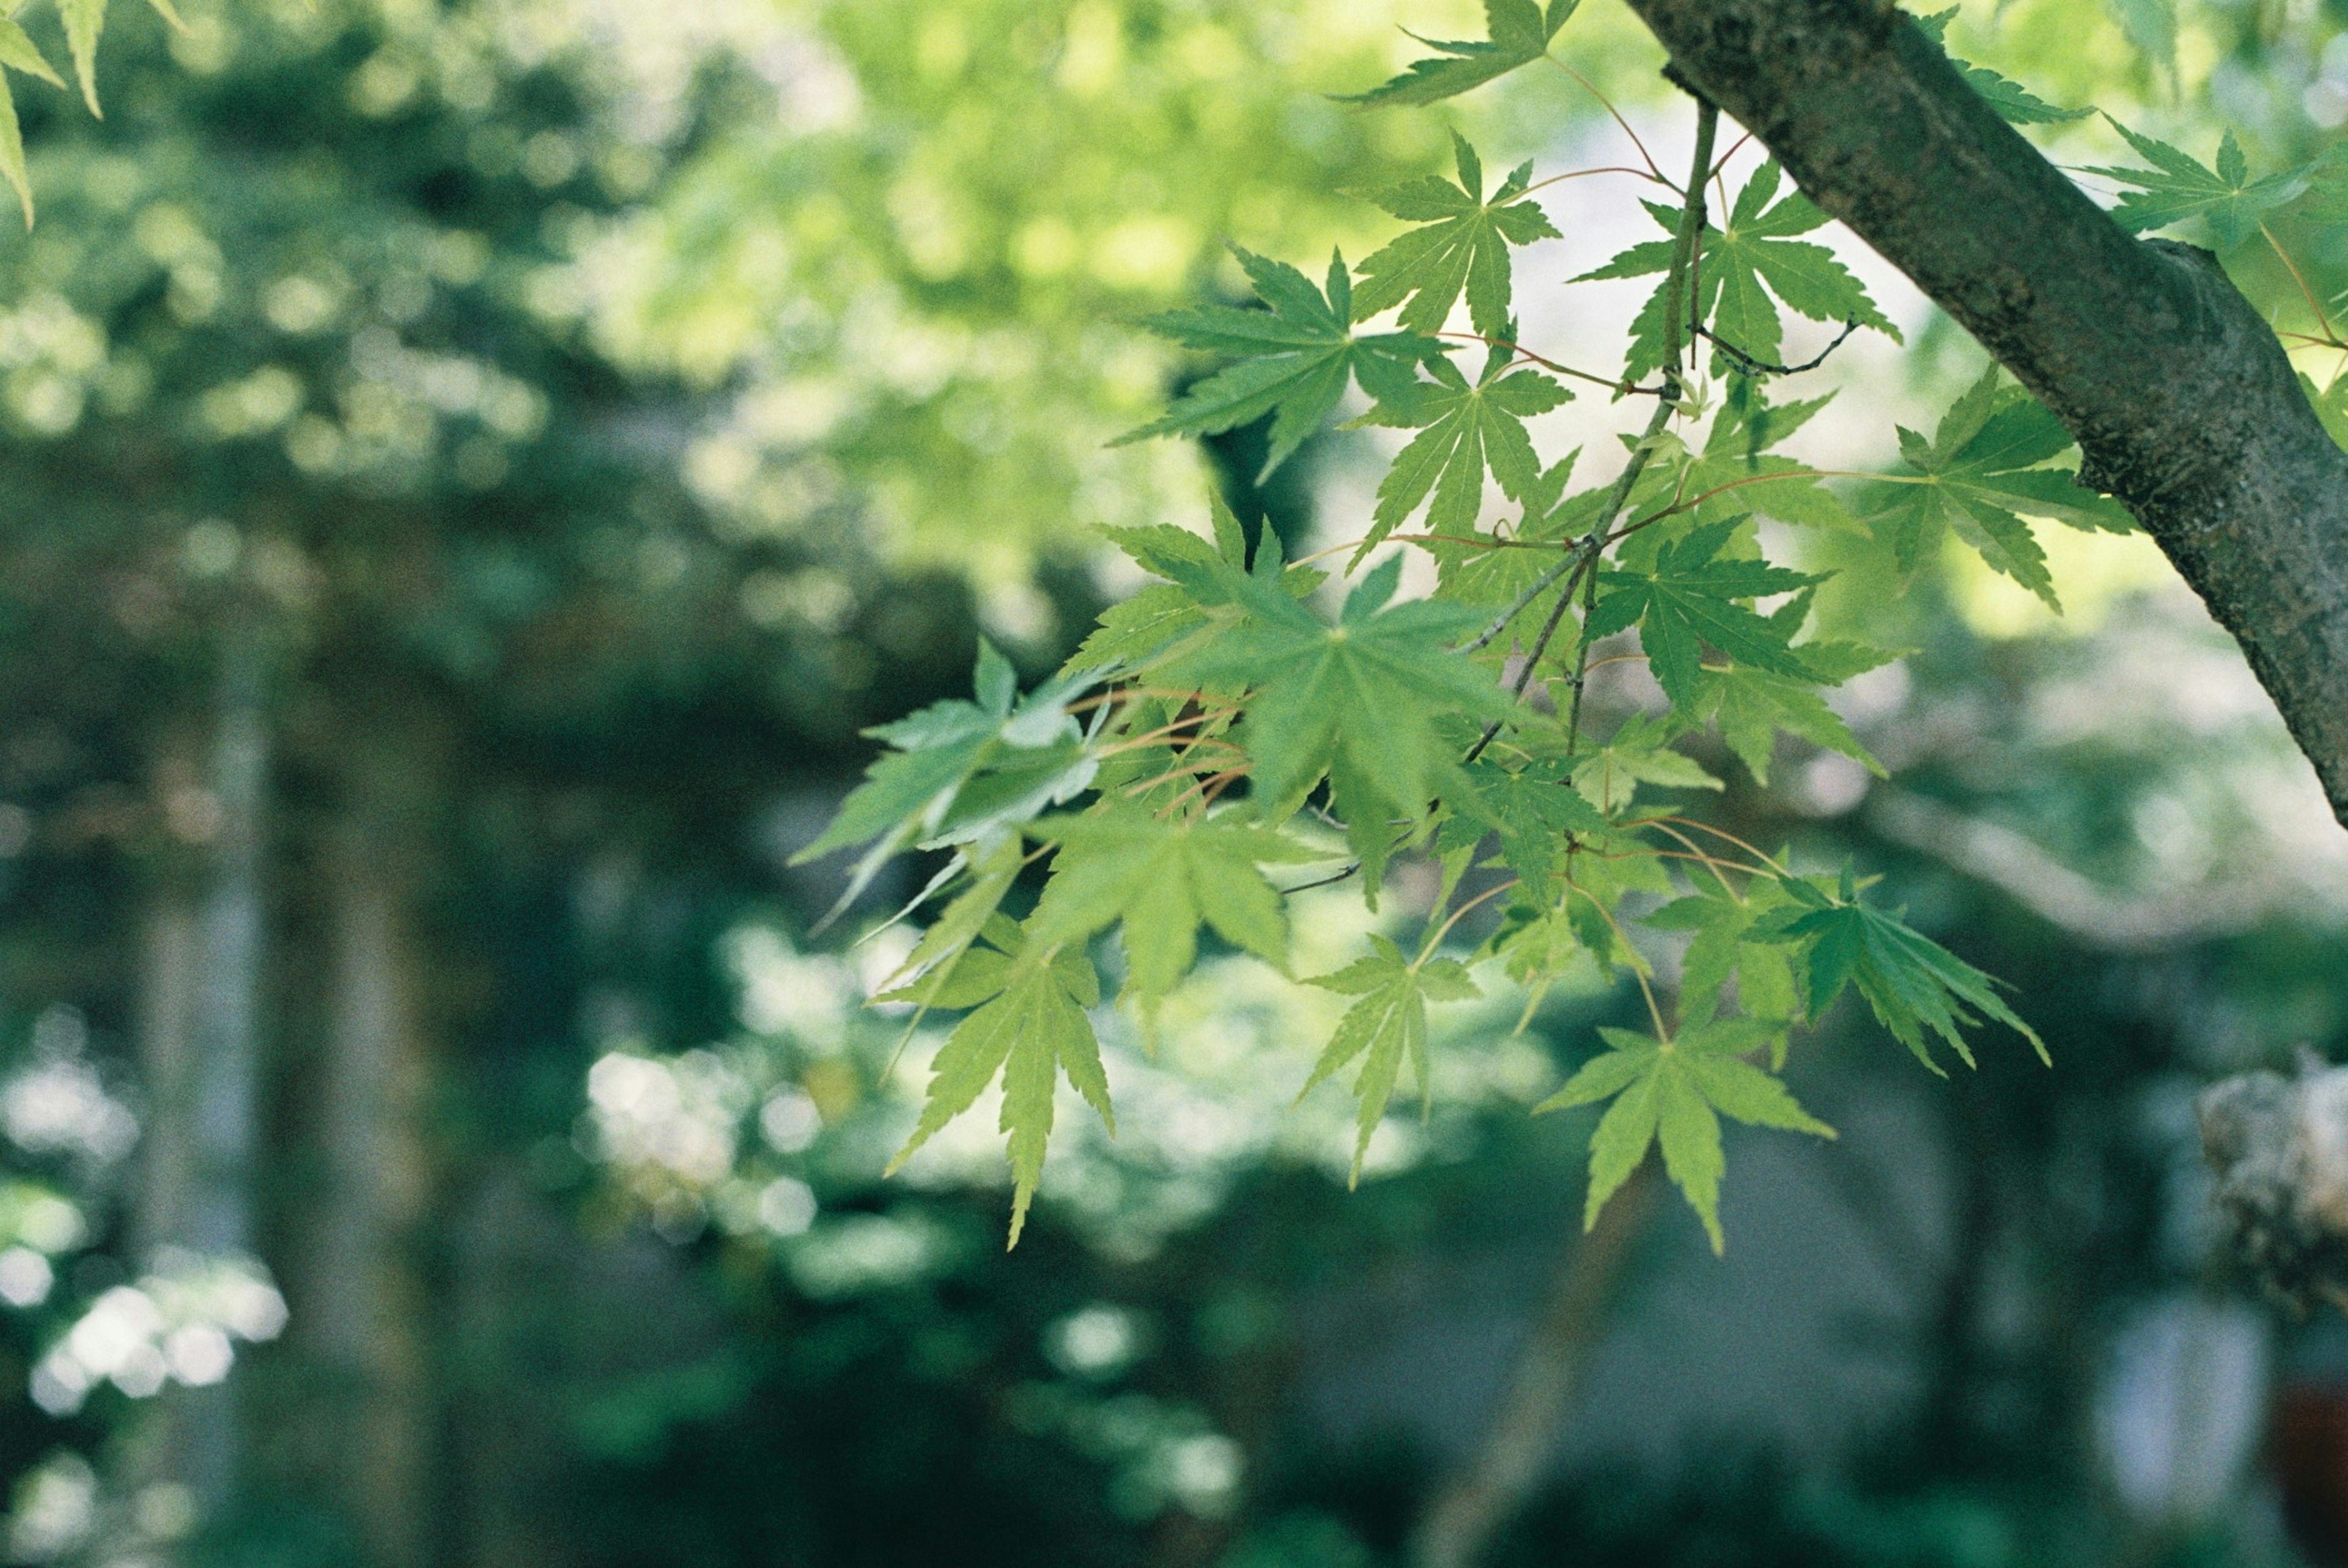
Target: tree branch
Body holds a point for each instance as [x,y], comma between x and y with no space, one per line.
[2183,402]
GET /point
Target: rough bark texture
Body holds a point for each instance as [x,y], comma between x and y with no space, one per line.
[2181,398]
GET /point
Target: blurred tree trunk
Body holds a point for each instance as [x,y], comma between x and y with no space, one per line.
[171,957]
[1480,1497]
[360,1301]
[199,1003]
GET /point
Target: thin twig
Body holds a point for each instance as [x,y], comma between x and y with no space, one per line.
[1329,881]
[1592,89]
[1427,950]
[1752,367]
[1584,173]
[1582,563]
[1613,383]
[1691,247]
[2298,277]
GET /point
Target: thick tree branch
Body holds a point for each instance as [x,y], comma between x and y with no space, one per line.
[2181,398]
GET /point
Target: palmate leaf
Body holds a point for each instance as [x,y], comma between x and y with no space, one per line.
[1199,573]
[84,21]
[1541,818]
[1028,1027]
[1517,33]
[960,770]
[1293,360]
[1750,264]
[1161,880]
[18,52]
[1752,705]
[1461,244]
[1915,986]
[2179,187]
[1463,428]
[1675,1092]
[1489,570]
[2012,101]
[1726,945]
[1692,598]
[1385,1026]
[1362,702]
[1983,469]
[1735,473]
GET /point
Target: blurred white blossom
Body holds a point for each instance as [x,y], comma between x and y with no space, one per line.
[180,1324]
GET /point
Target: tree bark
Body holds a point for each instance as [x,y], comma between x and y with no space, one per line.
[2183,404]
[223,1066]
[1484,1494]
[361,1306]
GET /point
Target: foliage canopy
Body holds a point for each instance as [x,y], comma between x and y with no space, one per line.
[1237,704]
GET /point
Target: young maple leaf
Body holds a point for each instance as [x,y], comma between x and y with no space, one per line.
[2179,187]
[1028,1027]
[1752,705]
[1691,598]
[1724,945]
[1912,983]
[1462,243]
[1387,1025]
[1161,880]
[19,52]
[2014,102]
[1463,428]
[1735,473]
[1675,1091]
[1293,359]
[1751,258]
[959,769]
[1364,701]
[1981,469]
[1517,33]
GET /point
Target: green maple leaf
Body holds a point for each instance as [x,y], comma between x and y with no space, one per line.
[1365,701]
[1385,1026]
[18,52]
[1162,879]
[1293,360]
[934,963]
[1028,1027]
[1675,1092]
[1202,574]
[1752,705]
[2179,187]
[960,770]
[1463,428]
[2012,101]
[1727,944]
[1691,599]
[1979,471]
[1492,570]
[1517,33]
[1750,265]
[1735,473]
[1915,986]
[1541,818]
[1462,244]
